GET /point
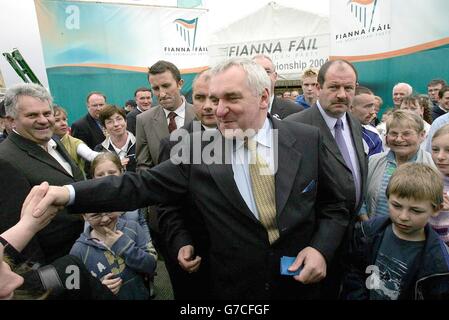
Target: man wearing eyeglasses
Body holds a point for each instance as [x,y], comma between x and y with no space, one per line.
[89,128]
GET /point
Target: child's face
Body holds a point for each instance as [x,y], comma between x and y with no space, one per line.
[106,168]
[440,153]
[98,221]
[60,128]
[409,217]
[9,281]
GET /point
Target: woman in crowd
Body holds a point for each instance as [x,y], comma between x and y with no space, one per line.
[118,140]
[76,148]
[405,132]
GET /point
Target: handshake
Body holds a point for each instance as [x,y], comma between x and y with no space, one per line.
[47,200]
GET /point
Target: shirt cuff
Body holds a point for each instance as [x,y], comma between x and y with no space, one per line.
[71,194]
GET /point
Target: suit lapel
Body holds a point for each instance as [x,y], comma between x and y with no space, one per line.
[223,176]
[160,124]
[190,114]
[328,138]
[285,174]
[36,152]
[358,143]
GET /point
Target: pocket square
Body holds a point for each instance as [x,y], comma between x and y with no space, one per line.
[309,187]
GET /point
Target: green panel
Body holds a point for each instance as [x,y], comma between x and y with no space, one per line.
[417,69]
[70,86]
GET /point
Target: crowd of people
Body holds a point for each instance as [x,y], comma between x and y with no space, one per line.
[225,188]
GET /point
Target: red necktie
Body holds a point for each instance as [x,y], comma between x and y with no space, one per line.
[172,122]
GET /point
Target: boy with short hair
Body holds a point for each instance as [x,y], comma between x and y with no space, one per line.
[400,257]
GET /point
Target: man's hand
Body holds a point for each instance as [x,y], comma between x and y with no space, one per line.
[27,220]
[313,263]
[55,198]
[186,261]
[110,236]
[113,283]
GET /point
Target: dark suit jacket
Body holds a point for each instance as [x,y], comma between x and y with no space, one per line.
[87,130]
[282,108]
[24,164]
[342,173]
[181,224]
[310,211]
[131,120]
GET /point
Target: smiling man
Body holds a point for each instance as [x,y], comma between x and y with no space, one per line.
[297,211]
[28,157]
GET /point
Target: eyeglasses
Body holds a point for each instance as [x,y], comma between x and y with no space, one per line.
[97,216]
[404,135]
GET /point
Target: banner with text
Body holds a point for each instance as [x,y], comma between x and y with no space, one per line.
[108,47]
[392,41]
[290,55]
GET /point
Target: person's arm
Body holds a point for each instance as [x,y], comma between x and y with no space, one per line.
[86,153]
[137,252]
[20,234]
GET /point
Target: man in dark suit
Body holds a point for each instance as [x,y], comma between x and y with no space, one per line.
[297,211]
[143,101]
[181,226]
[337,82]
[88,128]
[28,157]
[278,108]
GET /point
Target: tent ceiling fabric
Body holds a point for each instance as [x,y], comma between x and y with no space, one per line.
[280,22]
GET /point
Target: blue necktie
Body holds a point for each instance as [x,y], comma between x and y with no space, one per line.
[345,153]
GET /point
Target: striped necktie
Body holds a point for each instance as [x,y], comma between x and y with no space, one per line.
[262,183]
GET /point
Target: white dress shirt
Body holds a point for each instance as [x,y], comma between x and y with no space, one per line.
[180,115]
[240,163]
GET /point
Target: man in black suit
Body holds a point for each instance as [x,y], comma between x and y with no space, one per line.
[337,82]
[278,108]
[89,128]
[143,101]
[28,157]
[297,211]
[181,226]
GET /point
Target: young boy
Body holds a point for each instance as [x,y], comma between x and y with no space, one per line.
[118,252]
[400,257]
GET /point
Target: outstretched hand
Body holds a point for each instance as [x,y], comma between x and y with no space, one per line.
[35,224]
[55,199]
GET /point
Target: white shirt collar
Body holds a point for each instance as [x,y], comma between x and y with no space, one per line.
[264,136]
[271,103]
[180,111]
[330,121]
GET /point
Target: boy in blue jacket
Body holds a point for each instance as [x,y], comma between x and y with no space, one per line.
[118,252]
[400,257]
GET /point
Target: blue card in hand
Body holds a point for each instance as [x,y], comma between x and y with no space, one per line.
[286,262]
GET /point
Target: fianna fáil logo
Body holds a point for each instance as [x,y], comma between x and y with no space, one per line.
[363,11]
[187,30]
